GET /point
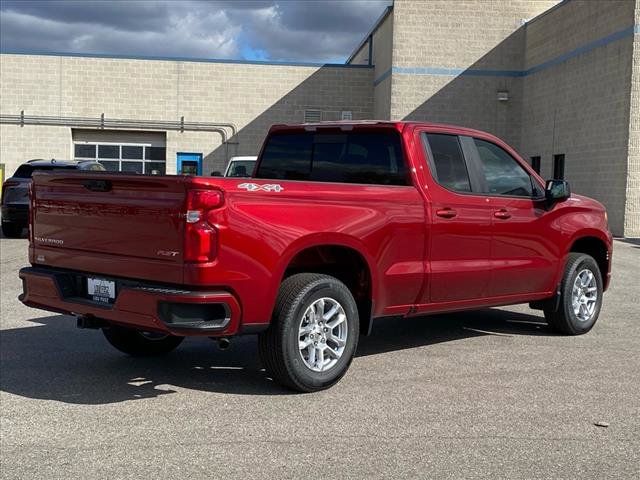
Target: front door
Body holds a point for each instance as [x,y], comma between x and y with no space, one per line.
[523,259]
[189,163]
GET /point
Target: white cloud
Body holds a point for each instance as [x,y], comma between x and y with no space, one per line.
[215,37]
[304,31]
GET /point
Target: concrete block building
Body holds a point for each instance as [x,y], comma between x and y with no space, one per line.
[559,81]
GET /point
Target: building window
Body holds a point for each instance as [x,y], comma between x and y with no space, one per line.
[312,116]
[535,163]
[155,153]
[558,166]
[85,151]
[132,152]
[131,158]
[105,151]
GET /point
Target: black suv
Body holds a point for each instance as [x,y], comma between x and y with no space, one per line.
[15,191]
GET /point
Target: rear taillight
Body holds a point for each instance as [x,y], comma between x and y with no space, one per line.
[201,201]
[5,186]
[201,242]
[32,210]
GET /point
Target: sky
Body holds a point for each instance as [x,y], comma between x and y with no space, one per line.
[295,31]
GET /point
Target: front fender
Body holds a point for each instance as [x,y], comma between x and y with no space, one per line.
[579,225]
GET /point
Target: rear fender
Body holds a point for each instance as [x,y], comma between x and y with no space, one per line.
[323,240]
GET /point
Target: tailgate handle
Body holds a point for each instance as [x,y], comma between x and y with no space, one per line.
[98,185]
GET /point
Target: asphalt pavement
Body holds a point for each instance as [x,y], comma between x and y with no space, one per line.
[489,394]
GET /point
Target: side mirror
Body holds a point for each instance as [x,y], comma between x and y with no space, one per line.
[216,173]
[556,191]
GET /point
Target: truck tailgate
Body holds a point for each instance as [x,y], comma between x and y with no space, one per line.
[117,224]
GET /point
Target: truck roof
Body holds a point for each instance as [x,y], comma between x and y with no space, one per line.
[39,162]
[398,125]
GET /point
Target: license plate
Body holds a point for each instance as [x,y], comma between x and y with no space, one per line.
[100,290]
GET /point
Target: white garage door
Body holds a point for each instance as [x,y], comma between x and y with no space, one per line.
[122,151]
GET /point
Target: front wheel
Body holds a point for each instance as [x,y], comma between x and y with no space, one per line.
[139,343]
[580,297]
[313,334]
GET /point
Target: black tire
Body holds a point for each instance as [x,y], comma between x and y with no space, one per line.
[138,343]
[279,345]
[12,230]
[565,320]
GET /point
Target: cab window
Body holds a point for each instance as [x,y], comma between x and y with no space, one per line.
[448,165]
[355,157]
[503,174]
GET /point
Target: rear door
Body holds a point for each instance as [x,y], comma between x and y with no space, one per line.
[459,249]
[123,225]
[522,257]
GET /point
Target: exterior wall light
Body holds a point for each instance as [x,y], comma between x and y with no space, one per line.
[503,95]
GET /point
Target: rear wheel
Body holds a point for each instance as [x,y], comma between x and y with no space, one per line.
[580,297]
[12,230]
[139,343]
[313,334]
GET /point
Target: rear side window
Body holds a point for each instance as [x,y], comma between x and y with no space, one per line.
[503,174]
[27,171]
[448,161]
[355,157]
[24,171]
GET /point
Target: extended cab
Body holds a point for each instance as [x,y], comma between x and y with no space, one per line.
[341,224]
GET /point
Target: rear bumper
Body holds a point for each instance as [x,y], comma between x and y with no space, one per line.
[15,214]
[137,305]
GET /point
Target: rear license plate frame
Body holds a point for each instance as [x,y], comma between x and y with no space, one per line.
[101,290]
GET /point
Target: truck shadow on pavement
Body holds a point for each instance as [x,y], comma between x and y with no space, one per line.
[52,360]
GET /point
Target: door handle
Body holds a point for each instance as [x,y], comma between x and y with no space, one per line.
[446,213]
[503,214]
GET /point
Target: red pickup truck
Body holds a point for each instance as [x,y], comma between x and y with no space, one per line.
[342,223]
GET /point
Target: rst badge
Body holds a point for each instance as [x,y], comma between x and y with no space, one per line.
[167,253]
